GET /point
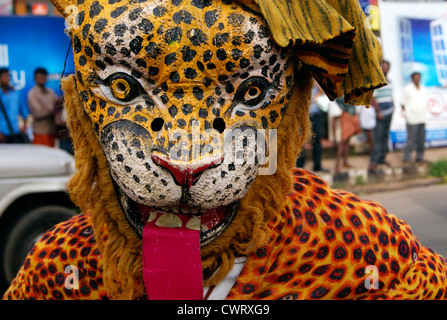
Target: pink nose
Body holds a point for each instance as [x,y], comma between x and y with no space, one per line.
[186,174]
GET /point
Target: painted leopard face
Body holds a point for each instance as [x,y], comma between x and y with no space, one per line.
[176,90]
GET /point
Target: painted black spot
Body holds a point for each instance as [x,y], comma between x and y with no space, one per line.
[265,123]
[310,218]
[210,18]
[153,50]
[370,257]
[244,63]
[198,93]
[179,93]
[248,37]
[159,11]
[82,60]
[95,9]
[337,274]
[219,125]
[229,88]
[203,113]
[170,58]
[229,66]
[120,29]
[146,26]
[86,29]
[235,19]
[190,73]
[134,14]
[207,55]
[403,249]
[77,46]
[201,3]
[84,95]
[273,116]
[88,51]
[319,292]
[188,54]
[136,45]
[220,39]
[182,16]
[118,11]
[348,236]
[173,35]
[248,288]
[236,54]
[322,252]
[187,109]
[181,123]
[221,54]
[197,37]
[339,253]
[383,238]
[257,51]
[305,268]
[174,77]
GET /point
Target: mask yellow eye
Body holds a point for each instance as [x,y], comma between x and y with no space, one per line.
[120,88]
[252,93]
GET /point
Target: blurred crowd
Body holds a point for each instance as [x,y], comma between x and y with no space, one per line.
[40,118]
[344,121]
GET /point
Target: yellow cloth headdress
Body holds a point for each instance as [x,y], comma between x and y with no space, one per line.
[332,40]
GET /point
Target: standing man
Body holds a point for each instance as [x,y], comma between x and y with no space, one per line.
[382,102]
[315,118]
[414,103]
[42,102]
[12,106]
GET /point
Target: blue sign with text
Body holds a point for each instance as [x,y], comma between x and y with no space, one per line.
[27,43]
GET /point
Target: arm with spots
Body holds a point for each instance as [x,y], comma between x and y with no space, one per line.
[63,264]
[417,271]
[404,268]
[25,285]
[426,279]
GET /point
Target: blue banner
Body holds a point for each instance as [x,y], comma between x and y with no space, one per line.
[27,43]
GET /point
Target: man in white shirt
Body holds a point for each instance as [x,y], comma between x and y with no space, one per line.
[414,103]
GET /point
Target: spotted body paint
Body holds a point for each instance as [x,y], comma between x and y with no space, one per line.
[321,245]
[150,75]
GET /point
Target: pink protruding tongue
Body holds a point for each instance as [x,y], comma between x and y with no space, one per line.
[172,265]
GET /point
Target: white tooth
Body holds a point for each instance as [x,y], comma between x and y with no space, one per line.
[186,210]
[194,210]
[169,220]
[152,216]
[194,224]
[174,209]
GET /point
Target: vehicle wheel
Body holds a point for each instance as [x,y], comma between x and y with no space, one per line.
[26,232]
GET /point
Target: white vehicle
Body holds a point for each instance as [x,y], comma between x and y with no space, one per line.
[33,198]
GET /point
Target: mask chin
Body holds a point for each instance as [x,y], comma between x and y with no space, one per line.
[214,221]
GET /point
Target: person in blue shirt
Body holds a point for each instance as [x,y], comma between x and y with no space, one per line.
[382,102]
[14,105]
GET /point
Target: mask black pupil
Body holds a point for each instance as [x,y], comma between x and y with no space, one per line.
[121,87]
[253,92]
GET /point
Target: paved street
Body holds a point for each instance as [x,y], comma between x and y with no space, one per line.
[425,209]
